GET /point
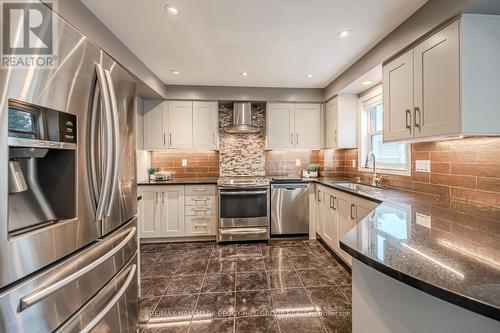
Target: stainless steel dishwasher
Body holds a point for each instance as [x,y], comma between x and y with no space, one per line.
[289,209]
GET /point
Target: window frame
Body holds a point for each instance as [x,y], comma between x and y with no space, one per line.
[366,131]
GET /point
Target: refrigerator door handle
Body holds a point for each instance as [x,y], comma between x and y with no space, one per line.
[40,294]
[112,302]
[92,156]
[116,137]
[106,184]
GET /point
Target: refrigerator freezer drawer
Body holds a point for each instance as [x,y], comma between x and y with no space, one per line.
[113,309]
[45,301]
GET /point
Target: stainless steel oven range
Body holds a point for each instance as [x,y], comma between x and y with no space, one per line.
[243,209]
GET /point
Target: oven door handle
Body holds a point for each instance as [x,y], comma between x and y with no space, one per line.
[242,192]
[239,231]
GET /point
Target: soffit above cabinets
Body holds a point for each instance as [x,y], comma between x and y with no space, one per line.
[276,42]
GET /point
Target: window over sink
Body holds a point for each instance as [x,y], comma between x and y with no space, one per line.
[391,157]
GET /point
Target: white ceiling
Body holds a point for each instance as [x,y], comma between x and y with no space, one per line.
[366,81]
[277,42]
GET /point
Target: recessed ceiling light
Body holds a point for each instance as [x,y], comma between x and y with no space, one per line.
[344,33]
[244,73]
[171,10]
[174,71]
[309,75]
[365,83]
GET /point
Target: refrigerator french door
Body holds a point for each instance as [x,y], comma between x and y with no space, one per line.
[46,258]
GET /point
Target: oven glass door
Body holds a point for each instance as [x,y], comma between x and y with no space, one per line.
[241,204]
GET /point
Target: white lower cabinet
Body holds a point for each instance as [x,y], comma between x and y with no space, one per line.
[177,211]
[336,213]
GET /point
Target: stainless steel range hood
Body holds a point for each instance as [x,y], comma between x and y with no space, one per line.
[242,119]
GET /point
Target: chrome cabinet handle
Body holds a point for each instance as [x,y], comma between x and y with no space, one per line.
[297,138]
[334,203]
[408,119]
[291,138]
[170,138]
[335,140]
[112,302]
[353,206]
[106,187]
[162,197]
[116,138]
[319,195]
[331,202]
[164,139]
[418,124]
[41,293]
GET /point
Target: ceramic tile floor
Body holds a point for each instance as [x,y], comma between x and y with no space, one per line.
[282,286]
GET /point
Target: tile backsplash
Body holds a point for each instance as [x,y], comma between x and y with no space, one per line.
[467,169]
[242,154]
[199,164]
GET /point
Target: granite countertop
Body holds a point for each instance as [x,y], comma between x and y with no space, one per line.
[445,247]
[180,181]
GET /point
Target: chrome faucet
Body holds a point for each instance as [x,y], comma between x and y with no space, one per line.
[375,179]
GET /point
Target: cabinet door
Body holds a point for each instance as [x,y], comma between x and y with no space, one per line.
[280,125]
[180,124]
[319,212]
[154,124]
[346,209]
[331,220]
[332,116]
[172,200]
[150,214]
[363,208]
[307,126]
[437,83]
[205,124]
[397,95]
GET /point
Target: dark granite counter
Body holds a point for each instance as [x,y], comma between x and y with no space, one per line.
[447,248]
[181,181]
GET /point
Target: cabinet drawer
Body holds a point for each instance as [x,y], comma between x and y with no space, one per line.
[195,190]
[200,210]
[200,200]
[198,225]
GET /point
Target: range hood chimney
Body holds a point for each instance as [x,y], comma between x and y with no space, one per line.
[242,119]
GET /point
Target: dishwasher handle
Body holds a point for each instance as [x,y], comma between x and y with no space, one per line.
[290,187]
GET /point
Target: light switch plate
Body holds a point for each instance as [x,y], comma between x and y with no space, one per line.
[297,162]
[184,162]
[423,166]
[423,220]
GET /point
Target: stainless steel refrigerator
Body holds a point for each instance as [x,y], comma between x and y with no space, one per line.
[68,233]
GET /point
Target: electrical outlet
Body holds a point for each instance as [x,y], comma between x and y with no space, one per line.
[184,162]
[297,162]
[423,166]
[423,220]
[353,163]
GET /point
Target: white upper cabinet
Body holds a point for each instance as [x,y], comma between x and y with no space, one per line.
[307,126]
[436,88]
[205,125]
[180,124]
[280,126]
[293,126]
[397,95]
[341,122]
[155,124]
[447,85]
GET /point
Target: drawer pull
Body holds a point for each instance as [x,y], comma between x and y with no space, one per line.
[201,226]
[200,189]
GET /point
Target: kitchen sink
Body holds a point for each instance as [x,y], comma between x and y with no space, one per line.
[360,188]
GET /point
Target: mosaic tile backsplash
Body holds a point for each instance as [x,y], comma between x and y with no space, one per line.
[242,154]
